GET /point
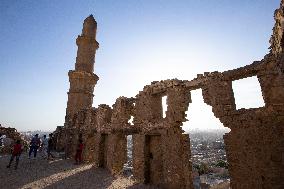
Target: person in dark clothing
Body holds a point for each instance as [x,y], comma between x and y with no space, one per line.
[34,145]
[16,152]
[50,146]
[1,143]
[79,150]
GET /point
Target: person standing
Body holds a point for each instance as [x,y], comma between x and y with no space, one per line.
[50,146]
[44,147]
[34,145]
[16,152]
[79,150]
[1,140]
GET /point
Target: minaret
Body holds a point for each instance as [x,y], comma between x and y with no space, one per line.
[82,79]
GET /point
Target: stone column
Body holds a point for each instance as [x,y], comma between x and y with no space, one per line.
[82,79]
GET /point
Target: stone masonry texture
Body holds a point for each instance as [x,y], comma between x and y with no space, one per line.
[161,150]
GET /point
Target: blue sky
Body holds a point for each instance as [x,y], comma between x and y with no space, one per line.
[140,41]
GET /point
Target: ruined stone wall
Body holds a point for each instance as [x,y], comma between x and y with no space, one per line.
[276,40]
[161,150]
[254,132]
[10,133]
[14,135]
[255,143]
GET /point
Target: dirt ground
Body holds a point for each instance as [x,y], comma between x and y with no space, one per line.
[40,173]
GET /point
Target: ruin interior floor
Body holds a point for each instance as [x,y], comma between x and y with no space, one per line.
[60,173]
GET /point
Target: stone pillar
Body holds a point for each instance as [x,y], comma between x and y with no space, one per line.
[91,146]
[71,141]
[138,157]
[162,158]
[176,165]
[82,79]
[178,99]
[117,152]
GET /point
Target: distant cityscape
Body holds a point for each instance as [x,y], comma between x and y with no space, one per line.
[27,135]
[209,161]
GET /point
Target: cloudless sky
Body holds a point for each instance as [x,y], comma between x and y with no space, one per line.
[140,41]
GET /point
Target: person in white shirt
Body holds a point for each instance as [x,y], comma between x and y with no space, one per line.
[44,146]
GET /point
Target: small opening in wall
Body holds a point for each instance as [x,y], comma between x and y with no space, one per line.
[247,93]
[164,105]
[128,166]
[130,121]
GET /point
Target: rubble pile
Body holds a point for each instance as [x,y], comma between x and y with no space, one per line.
[8,138]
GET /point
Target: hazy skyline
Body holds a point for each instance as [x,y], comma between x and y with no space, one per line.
[140,41]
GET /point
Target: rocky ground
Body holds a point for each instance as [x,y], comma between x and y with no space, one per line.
[40,173]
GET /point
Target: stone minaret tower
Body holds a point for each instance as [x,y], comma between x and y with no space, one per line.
[82,79]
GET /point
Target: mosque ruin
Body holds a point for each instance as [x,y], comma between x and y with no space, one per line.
[161,150]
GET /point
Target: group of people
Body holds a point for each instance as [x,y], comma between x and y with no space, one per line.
[45,145]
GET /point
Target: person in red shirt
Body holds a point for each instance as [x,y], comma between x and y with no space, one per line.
[78,156]
[16,152]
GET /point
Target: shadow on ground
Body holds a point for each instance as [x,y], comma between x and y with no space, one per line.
[40,173]
[91,178]
[141,186]
[60,174]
